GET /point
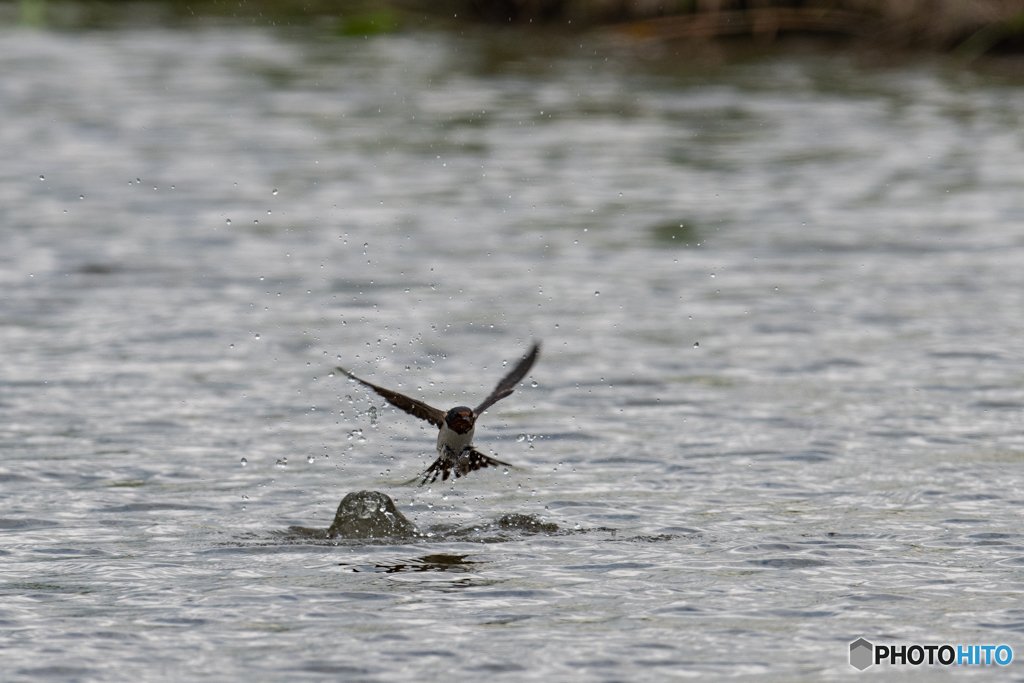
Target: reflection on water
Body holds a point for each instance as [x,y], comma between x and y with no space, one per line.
[779,406]
[428,563]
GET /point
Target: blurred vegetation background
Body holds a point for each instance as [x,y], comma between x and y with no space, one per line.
[968,27]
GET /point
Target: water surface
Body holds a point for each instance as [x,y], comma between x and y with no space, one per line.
[779,405]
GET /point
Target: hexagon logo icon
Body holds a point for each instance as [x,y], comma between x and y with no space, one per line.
[861,654]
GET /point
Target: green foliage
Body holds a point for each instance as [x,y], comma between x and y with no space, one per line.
[33,13]
[371,23]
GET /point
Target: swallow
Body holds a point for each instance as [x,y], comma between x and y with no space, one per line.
[455,440]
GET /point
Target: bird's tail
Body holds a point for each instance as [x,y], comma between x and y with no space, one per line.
[468,461]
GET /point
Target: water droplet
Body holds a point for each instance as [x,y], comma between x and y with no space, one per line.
[42,178]
[310,459]
[244,462]
[521,438]
[245,497]
[257,336]
[81,196]
[533,383]
[597,293]
[228,222]
[282,462]
[696,344]
[274,193]
[712,274]
[372,412]
[255,222]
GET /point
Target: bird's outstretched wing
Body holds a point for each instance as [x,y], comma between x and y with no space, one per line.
[410,405]
[508,384]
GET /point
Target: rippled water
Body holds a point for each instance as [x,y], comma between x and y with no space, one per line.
[779,405]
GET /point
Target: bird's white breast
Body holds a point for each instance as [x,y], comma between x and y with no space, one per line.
[455,442]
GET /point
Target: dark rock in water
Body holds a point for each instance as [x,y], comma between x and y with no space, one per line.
[529,523]
[370,514]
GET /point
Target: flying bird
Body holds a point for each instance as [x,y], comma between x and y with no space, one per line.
[455,440]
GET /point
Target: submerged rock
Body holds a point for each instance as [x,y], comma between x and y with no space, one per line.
[528,523]
[370,514]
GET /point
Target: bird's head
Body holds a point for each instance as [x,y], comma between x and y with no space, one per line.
[460,419]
